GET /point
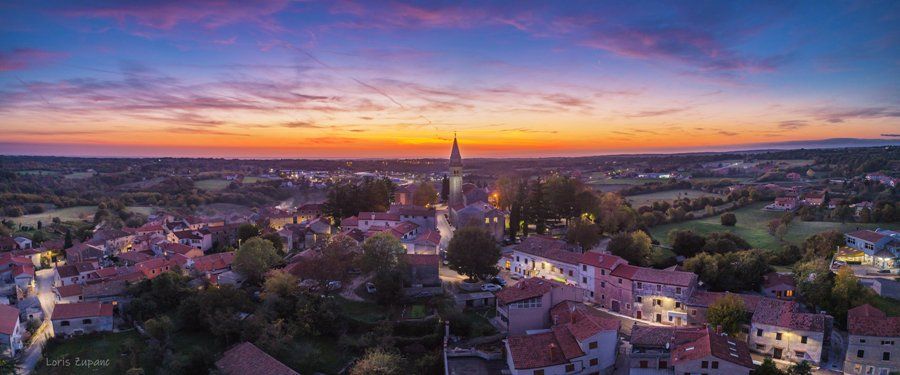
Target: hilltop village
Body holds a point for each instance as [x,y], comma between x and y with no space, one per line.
[771,262]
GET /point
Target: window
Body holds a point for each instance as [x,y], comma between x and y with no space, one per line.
[640,299]
[886,356]
[526,260]
[799,354]
[678,290]
[803,339]
[693,312]
[603,284]
[860,353]
[594,361]
[862,341]
[887,342]
[640,285]
[64,323]
[85,321]
[663,364]
[603,272]
[620,281]
[527,303]
[592,345]
[704,364]
[570,367]
[677,305]
[584,267]
[657,302]
[627,306]
[643,364]
[570,274]
[715,364]
[538,372]
[584,280]
[760,346]
[658,287]
[778,336]
[517,259]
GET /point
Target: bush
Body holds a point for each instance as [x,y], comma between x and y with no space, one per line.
[728,219]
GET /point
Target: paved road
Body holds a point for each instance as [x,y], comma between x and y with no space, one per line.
[44,289]
[446,231]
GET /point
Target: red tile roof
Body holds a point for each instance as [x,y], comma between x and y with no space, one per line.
[784,314]
[625,271]
[214,262]
[605,261]
[583,321]
[667,277]
[9,316]
[548,247]
[429,237]
[246,358]
[69,290]
[775,279]
[81,310]
[525,289]
[540,350]
[422,259]
[867,320]
[710,344]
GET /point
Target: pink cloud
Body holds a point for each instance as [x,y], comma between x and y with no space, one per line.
[165,15]
[27,58]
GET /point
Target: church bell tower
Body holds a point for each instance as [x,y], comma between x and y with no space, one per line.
[456,171]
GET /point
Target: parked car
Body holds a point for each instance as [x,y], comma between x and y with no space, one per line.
[491,287]
[498,280]
[371,288]
[515,276]
[333,285]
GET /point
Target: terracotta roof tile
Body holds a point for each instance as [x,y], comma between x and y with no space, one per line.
[246,358]
[867,320]
[81,310]
[9,316]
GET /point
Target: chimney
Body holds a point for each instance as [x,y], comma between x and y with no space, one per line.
[551,349]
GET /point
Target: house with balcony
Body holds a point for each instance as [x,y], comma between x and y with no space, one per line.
[526,305]
[779,330]
[873,346]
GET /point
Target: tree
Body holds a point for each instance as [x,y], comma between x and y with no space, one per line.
[378,361]
[389,285]
[381,252]
[160,328]
[445,189]
[768,367]
[254,258]
[247,231]
[67,243]
[634,247]
[728,312]
[538,211]
[280,283]
[685,242]
[583,232]
[474,253]
[802,368]
[425,194]
[7,365]
[847,293]
[822,245]
[724,242]
[814,282]
[728,219]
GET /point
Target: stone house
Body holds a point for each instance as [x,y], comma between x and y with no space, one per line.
[873,342]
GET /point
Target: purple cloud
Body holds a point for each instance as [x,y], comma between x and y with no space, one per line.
[27,58]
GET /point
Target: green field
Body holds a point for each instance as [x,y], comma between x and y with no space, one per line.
[79,175]
[752,225]
[251,180]
[212,184]
[94,347]
[668,196]
[38,172]
[77,213]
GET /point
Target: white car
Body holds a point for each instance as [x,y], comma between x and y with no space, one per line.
[490,287]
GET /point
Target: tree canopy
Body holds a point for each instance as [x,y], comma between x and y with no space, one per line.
[254,258]
[474,253]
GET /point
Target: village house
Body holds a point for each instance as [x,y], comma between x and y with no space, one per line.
[246,358]
[422,274]
[660,295]
[578,341]
[426,242]
[424,217]
[69,293]
[10,331]
[309,212]
[779,331]
[180,248]
[881,246]
[73,273]
[596,270]
[547,258]
[213,263]
[526,304]
[711,353]
[783,204]
[82,317]
[872,347]
[779,285]
[201,239]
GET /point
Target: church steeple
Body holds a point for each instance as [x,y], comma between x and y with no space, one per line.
[456,172]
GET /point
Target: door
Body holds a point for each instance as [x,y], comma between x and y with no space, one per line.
[678,321]
[658,318]
[615,306]
[777,353]
[639,314]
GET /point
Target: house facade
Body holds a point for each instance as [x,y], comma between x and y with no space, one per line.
[873,346]
[881,246]
[82,317]
[779,331]
[526,305]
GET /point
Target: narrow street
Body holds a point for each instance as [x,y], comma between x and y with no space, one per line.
[446,230]
[44,289]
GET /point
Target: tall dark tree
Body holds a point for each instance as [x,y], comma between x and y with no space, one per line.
[583,232]
[445,189]
[522,202]
[67,243]
[538,211]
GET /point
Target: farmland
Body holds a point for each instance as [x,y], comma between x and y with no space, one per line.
[752,225]
[77,213]
[668,196]
[212,184]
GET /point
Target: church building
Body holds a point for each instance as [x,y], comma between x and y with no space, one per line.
[468,204]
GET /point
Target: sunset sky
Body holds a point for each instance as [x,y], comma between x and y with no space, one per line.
[388,79]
